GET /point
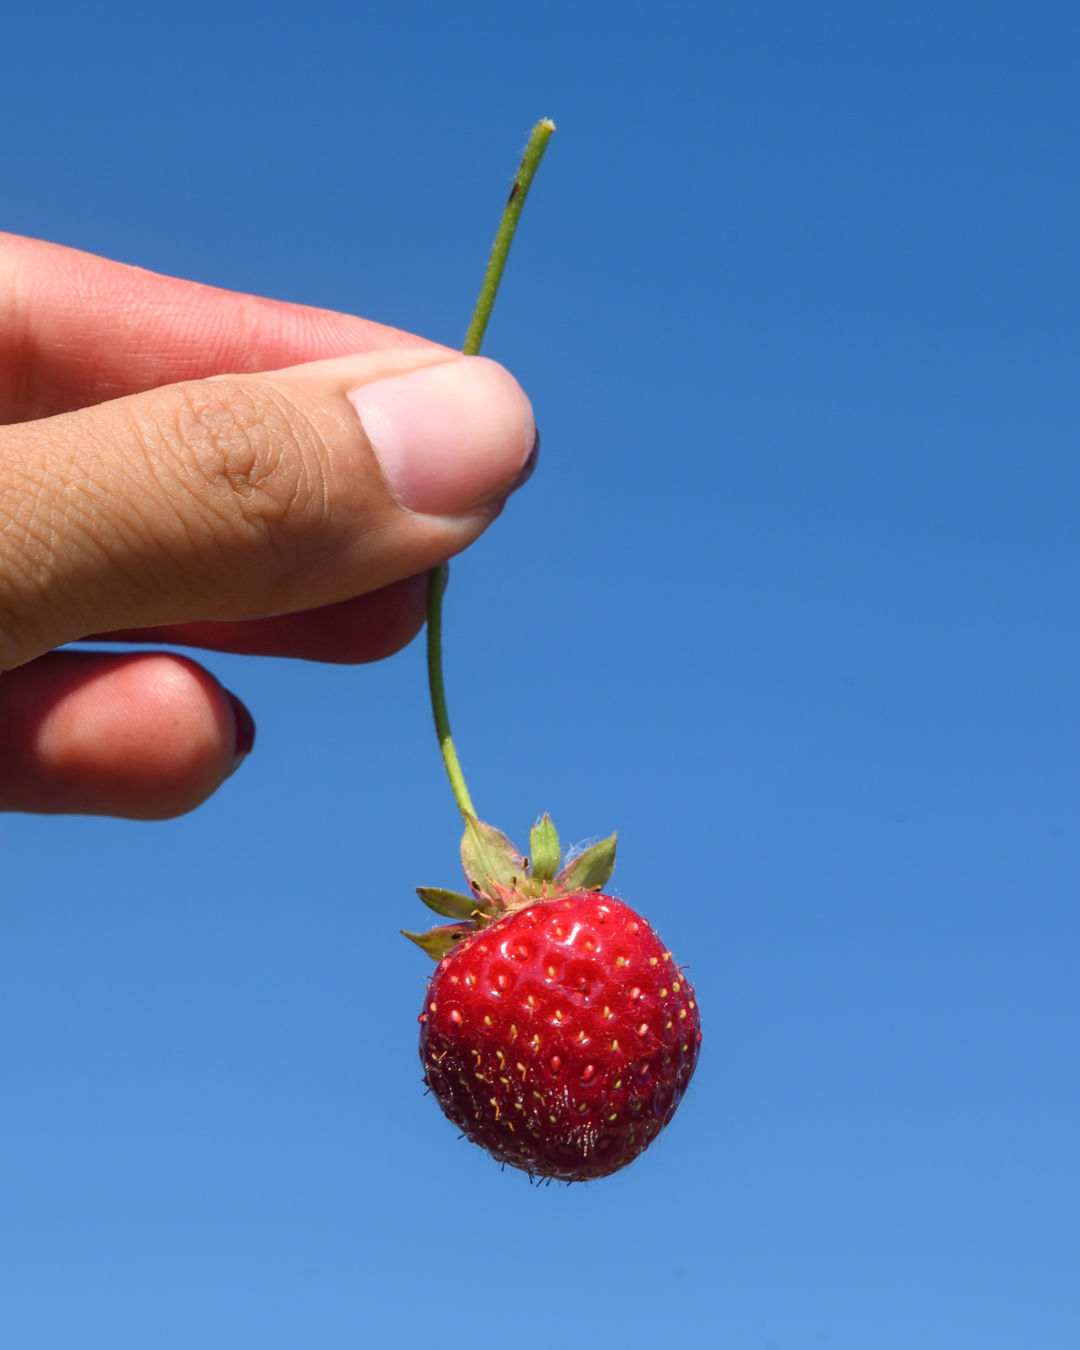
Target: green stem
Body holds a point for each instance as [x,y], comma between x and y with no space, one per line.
[500,251]
[504,237]
[436,582]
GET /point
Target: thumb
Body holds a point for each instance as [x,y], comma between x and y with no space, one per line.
[239,497]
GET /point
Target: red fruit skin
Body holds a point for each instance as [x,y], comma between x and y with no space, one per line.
[561,1038]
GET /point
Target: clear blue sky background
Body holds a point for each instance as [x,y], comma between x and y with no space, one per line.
[792,603]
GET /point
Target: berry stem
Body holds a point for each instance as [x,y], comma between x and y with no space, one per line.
[500,251]
[504,237]
[436,582]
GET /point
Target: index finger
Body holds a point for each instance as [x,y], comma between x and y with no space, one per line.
[76,329]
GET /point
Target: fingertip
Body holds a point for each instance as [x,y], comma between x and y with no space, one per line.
[450,436]
[144,737]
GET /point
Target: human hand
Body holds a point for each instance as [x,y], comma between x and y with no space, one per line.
[171,472]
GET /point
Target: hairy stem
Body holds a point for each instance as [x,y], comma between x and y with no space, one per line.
[500,251]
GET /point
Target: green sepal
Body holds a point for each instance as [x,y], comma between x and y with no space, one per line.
[438,941]
[544,851]
[490,860]
[451,904]
[590,870]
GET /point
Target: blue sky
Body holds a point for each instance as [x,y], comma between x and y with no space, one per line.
[791,603]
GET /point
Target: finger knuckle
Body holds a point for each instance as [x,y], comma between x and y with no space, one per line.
[246,456]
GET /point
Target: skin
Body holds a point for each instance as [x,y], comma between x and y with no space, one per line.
[146,496]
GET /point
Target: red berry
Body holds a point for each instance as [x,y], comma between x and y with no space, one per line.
[560,1037]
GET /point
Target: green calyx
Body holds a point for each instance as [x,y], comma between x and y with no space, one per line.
[438,941]
[544,851]
[502,881]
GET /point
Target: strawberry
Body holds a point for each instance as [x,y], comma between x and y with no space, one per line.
[557,1031]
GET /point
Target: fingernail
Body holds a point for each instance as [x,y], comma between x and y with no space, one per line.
[450,437]
[529,467]
[245,731]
